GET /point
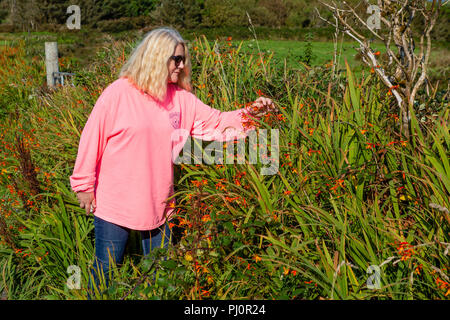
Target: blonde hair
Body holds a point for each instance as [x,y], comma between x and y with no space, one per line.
[147,66]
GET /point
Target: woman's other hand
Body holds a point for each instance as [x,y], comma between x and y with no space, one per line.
[87,201]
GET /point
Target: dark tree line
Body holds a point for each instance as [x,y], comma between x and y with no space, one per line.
[24,12]
[32,14]
[37,15]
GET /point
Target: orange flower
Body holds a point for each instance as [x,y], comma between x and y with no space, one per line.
[310,151]
[289,164]
[182,221]
[230,199]
[197,267]
[442,284]
[287,192]
[281,117]
[418,268]
[220,186]
[406,250]
[205,293]
[195,183]
[257,258]
[393,115]
[377,53]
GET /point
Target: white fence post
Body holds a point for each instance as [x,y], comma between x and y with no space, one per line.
[51,62]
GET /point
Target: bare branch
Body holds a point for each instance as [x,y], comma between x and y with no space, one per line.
[322,18]
[333,8]
[368,53]
[349,27]
[404,66]
[425,61]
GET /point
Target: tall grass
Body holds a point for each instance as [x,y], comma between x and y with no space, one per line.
[350,196]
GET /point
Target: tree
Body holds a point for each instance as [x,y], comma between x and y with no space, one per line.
[404,71]
[53,11]
[169,12]
[277,9]
[4,10]
[25,14]
[193,14]
[135,8]
[116,9]
[220,13]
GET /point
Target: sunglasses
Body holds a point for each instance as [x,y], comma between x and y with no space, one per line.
[178,59]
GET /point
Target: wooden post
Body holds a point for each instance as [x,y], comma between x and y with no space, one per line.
[51,62]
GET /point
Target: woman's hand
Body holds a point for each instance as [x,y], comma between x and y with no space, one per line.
[87,201]
[261,106]
[265,103]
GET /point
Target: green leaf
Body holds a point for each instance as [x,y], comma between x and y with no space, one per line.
[169,264]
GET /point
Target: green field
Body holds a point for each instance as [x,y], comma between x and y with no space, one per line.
[81,47]
[322,51]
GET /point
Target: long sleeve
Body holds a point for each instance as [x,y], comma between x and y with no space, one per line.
[212,124]
[93,141]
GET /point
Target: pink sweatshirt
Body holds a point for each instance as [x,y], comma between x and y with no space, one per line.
[126,151]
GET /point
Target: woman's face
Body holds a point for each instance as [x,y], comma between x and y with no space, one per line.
[174,69]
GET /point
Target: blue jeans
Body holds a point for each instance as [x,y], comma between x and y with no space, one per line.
[111,240]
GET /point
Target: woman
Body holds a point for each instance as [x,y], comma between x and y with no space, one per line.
[124,171]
